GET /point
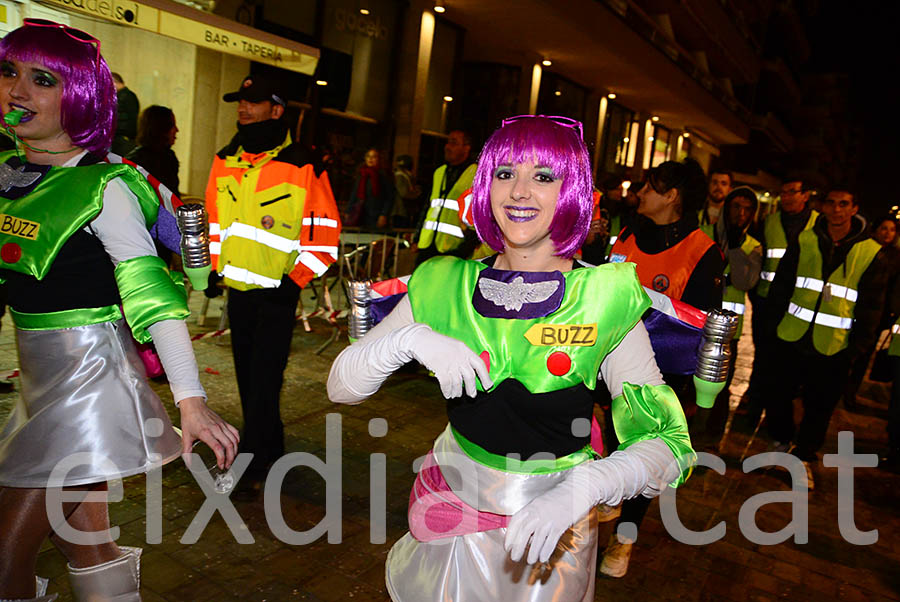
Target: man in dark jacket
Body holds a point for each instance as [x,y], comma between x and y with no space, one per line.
[829,293]
[127,109]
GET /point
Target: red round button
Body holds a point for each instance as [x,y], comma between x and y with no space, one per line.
[10,252]
[559,363]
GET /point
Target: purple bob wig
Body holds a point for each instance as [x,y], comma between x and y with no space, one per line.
[88,105]
[552,145]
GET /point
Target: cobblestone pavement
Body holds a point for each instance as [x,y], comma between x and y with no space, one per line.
[732,568]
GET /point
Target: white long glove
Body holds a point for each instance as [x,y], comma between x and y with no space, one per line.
[360,369]
[644,468]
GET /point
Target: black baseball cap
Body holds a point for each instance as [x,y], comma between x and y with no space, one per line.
[257,88]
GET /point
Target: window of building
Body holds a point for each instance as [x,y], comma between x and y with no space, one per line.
[618,143]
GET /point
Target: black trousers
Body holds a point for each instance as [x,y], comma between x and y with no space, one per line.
[262,325]
[893,425]
[822,379]
[762,355]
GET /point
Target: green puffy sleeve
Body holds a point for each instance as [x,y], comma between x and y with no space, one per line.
[149,295]
[651,411]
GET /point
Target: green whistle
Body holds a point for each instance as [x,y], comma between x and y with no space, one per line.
[13,117]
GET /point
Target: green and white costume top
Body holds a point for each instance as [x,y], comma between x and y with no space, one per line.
[561,352]
[117,206]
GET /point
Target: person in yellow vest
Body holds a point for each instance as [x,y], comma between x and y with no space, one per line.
[829,293]
[743,255]
[442,232]
[720,184]
[779,230]
[273,226]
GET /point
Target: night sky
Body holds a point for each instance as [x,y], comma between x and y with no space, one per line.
[862,40]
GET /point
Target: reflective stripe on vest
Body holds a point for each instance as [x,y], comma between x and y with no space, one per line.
[895,328]
[767,276]
[263,237]
[445,228]
[737,308]
[814,284]
[776,253]
[451,204]
[244,275]
[824,319]
[613,239]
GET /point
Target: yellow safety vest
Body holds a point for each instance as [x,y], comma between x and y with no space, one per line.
[826,304]
[442,223]
[776,245]
[734,298]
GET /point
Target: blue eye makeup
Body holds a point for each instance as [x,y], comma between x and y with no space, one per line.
[503,172]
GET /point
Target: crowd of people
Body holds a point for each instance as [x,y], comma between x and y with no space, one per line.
[510,239]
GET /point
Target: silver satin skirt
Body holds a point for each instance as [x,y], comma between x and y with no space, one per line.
[85,413]
[476,567]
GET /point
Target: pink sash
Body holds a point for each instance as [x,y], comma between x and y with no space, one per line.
[436,512]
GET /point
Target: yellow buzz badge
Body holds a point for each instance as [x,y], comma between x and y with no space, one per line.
[548,335]
[16,226]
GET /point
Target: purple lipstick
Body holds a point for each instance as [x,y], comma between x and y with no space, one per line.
[520,214]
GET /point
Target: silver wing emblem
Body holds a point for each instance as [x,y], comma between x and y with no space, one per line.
[514,294]
[16,178]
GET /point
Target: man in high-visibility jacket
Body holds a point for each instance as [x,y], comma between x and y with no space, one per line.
[743,257]
[829,293]
[274,226]
[779,230]
[443,233]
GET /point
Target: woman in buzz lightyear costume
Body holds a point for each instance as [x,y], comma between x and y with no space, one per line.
[75,252]
[502,508]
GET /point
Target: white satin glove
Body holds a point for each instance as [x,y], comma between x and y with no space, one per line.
[644,468]
[360,369]
[453,363]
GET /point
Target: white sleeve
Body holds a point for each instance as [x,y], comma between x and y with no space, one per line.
[632,361]
[121,229]
[177,356]
[120,225]
[359,370]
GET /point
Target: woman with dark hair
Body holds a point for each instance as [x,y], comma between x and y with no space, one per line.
[372,195]
[86,414]
[526,334]
[156,135]
[674,257]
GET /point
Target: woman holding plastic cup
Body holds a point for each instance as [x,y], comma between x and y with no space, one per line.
[76,257]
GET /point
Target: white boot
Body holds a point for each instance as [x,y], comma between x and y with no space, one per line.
[118,580]
[40,591]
